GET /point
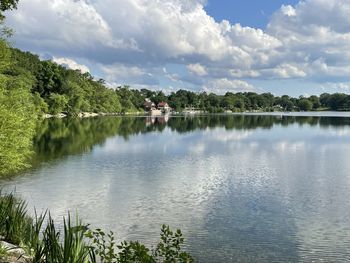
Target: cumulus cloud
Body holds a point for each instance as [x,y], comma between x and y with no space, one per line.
[316,35]
[127,74]
[337,87]
[197,69]
[221,86]
[134,40]
[70,63]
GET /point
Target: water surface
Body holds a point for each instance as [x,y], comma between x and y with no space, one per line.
[247,188]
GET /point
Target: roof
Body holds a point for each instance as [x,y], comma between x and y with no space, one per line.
[162,104]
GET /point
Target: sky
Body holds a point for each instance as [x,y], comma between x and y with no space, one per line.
[282,46]
[252,13]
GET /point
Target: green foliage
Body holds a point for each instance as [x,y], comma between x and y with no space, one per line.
[3,253]
[17,115]
[43,242]
[7,5]
[31,241]
[63,89]
[104,249]
[39,103]
[127,97]
[169,249]
[57,103]
[134,252]
[74,249]
[305,104]
[315,102]
[13,218]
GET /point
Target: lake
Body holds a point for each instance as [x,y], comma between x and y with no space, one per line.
[247,188]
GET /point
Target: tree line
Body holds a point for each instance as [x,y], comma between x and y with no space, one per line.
[239,102]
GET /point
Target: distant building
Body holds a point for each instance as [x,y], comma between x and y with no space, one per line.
[164,107]
[149,105]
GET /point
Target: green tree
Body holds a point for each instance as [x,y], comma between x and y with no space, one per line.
[57,103]
[305,105]
[315,102]
[7,5]
[17,115]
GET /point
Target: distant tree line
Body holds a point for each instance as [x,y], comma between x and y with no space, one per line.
[236,102]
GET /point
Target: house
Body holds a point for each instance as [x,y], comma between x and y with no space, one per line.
[164,107]
[149,105]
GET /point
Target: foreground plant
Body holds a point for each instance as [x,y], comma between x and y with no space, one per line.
[43,242]
[168,249]
[3,253]
[13,218]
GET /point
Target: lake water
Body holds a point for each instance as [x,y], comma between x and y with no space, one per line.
[247,188]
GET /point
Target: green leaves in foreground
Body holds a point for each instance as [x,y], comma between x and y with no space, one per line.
[76,243]
[168,250]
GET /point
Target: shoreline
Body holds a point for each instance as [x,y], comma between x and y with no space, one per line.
[88,114]
[198,113]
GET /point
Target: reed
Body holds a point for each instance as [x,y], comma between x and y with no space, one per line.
[13,218]
[44,242]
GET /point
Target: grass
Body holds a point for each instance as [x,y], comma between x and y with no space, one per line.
[13,218]
[43,242]
[3,253]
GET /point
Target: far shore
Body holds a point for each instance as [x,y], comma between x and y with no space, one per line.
[89,114]
[196,113]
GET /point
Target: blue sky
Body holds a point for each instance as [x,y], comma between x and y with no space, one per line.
[253,13]
[284,47]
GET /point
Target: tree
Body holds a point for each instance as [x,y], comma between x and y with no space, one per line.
[17,115]
[285,102]
[338,101]
[304,104]
[159,97]
[57,103]
[315,102]
[325,100]
[6,5]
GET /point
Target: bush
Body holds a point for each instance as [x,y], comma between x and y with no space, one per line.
[57,103]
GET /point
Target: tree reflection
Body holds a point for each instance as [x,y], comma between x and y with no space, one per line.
[57,138]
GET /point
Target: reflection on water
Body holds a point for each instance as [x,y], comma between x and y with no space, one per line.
[242,188]
[57,138]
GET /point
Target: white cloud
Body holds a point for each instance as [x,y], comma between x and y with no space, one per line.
[288,10]
[337,86]
[120,74]
[221,86]
[316,35]
[62,24]
[70,63]
[197,69]
[285,71]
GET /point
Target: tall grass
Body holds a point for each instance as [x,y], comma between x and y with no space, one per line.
[43,242]
[13,218]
